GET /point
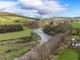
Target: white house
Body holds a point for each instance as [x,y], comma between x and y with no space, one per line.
[75,43]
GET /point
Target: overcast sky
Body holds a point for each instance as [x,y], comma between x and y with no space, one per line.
[42,8]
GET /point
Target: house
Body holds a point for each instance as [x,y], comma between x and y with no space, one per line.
[75,43]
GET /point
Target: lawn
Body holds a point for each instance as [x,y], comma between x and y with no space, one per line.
[68,55]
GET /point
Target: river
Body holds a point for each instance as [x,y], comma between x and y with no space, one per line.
[44,38]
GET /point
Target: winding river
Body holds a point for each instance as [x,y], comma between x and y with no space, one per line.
[44,38]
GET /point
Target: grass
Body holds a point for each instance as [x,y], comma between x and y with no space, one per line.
[11,19]
[14,48]
[75,24]
[76,37]
[14,35]
[9,49]
[68,55]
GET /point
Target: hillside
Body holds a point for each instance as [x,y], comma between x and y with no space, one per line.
[15,37]
[15,14]
[7,14]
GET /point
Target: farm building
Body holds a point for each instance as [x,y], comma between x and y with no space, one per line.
[75,43]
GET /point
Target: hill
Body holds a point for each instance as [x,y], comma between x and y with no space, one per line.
[15,14]
[7,14]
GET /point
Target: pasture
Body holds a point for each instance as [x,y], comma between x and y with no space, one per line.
[13,35]
[75,29]
[12,48]
[75,24]
[68,55]
[12,44]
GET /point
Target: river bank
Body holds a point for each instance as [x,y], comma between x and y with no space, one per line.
[43,51]
[44,38]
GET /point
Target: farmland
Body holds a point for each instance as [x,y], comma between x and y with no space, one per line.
[14,44]
[71,53]
[13,35]
[75,24]
[75,29]
[68,55]
[65,50]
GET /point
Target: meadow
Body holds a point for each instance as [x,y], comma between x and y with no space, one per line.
[75,24]
[14,44]
[72,54]
[75,29]
[11,20]
[68,55]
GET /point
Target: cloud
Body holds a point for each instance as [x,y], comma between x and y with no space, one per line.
[33,8]
[4,5]
[43,6]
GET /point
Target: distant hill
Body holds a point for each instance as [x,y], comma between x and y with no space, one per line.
[53,18]
[7,14]
[64,18]
[14,14]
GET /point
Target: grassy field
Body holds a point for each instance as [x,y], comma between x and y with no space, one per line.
[13,35]
[75,24]
[13,19]
[71,54]
[11,49]
[11,44]
[68,55]
[76,37]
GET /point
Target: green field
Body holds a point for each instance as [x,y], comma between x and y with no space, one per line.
[75,24]
[68,55]
[13,35]
[13,44]
[12,49]
[12,19]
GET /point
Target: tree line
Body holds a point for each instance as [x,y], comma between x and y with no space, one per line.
[10,28]
[60,28]
[76,31]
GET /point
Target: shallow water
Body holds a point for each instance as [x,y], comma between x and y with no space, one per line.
[44,37]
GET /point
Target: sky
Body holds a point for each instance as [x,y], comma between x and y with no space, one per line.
[42,8]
